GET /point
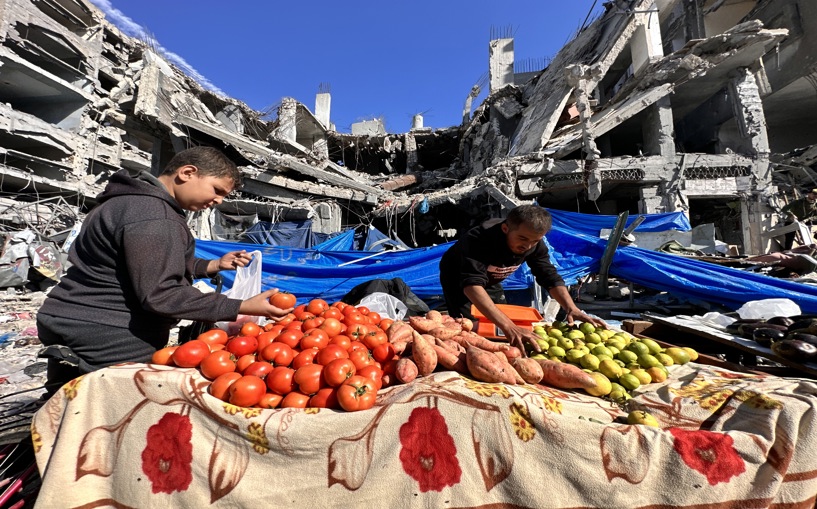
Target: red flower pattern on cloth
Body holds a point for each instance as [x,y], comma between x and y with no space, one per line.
[168,456]
[428,453]
[711,454]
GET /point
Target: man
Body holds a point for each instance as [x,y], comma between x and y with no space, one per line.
[472,270]
[133,264]
[803,210]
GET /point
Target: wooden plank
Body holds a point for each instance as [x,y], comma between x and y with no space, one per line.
[694,326]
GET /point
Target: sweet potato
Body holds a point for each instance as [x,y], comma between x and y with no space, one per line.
[453,346]
[405,370]
[400,346]
[469,338]
[448,345]
[424,355]
[504,360]
[466,323]
[450,360]
[423,325]
[528,369]
[435,316]
[486,366]
[399,331]
[565,376]
[444,332]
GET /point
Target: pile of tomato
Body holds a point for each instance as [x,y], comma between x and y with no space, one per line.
[320,355]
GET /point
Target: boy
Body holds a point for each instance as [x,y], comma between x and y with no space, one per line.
[473,268]
[133,264]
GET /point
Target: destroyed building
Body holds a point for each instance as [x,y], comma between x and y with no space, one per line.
[702,106]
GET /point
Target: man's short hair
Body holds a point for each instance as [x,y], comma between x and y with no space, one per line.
[209,161]
[534,216]
[812,191]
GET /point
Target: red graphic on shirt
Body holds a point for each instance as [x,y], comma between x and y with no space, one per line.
[497,274]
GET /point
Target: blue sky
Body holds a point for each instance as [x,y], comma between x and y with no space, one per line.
[379,59]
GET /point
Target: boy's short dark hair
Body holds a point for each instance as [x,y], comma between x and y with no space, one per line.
[209,161]
[534,216]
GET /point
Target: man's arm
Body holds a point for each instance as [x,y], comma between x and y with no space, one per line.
[515,334]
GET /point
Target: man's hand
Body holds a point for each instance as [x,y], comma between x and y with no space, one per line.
[234,260]
[517,336]
[575,313]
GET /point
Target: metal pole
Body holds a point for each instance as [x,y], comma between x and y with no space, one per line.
[607,258]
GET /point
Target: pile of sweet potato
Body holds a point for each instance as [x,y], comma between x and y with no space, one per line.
[439,342]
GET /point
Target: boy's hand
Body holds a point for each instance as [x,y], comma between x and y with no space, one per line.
[234,260]
[259,305]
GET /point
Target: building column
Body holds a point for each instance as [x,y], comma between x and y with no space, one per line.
[323,103]
[754,141]
[287,120]
[500,63]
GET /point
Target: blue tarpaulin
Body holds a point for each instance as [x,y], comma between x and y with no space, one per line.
[328,274]
[591,224]
[286,233]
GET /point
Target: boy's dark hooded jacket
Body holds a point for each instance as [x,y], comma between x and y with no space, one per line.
[133,263]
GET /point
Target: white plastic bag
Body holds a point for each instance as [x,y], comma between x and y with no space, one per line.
[247,284]
[769,308]
[387,306]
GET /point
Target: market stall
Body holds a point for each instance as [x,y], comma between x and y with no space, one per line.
[151,436]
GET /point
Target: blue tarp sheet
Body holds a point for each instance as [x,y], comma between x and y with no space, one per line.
[591,224]
[286,233]
[310,273]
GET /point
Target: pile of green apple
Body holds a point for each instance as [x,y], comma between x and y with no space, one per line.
[618,361]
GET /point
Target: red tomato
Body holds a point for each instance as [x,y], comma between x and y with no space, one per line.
[220,388]
[332,312]
[294,325]
[385,323]
[259,368]
[304,357]
[357,332]
[350,310]
[317,306]
[360,358]
[216,348]
[286,320]
[353,319]
[244,361]
[295,399]
[340,305]
[363,310]
[213,336]
[374,338]
[325,398]
[250,329]
[357,345]
[383,352]
[338,371]
[312,323]
[314,338]
[247,391]
[389,369]
[301,313]
[331,326]
[357,393]
[190,354]
[217,363]
[279,354]
[309,378]
[342,341]
[373,373]
[242,345]
[330,353]
[270,400]
[282,300]
[290,337]
[265,338]
[280,380]
[374,318]
[164,356]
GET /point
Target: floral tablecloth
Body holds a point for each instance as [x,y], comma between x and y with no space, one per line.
[149,436]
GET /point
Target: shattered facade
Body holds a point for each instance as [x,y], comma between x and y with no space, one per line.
[703,106]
